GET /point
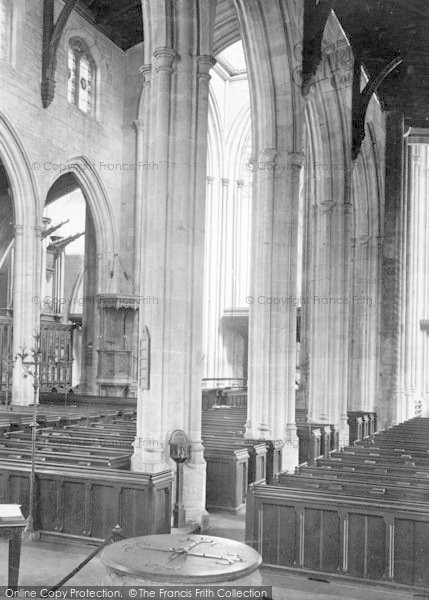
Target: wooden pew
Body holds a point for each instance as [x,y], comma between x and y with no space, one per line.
[48,445]
[86,503]
[391,468]
[66,457]
[369,538]
[228,423]
[66,439]
[227,476]
[350,487]
[412,480]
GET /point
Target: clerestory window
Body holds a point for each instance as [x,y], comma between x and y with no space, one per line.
[81,76]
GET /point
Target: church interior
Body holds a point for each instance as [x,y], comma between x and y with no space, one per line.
[214,293]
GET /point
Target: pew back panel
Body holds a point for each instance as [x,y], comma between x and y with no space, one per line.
[89,504]
[355,537]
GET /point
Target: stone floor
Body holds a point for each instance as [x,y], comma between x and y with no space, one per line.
[45,564]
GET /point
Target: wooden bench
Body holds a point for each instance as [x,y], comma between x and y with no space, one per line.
[390,468]
[227,476]
[228,423]
[60,437]
[86,503]
[351,487]
[417,479]
[368,538]
[49,445]
[66,457]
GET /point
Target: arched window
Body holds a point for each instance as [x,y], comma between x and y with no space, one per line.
[81,77]
[6,30]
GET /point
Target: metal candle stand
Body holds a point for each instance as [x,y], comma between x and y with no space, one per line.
[179,452]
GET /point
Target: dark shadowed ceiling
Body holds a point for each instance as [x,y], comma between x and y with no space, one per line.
[379,31]
[120,20]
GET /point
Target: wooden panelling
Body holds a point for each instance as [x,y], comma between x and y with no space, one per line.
[411,551]
[358,537]
[89,503]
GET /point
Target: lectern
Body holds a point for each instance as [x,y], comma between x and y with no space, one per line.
[12,524]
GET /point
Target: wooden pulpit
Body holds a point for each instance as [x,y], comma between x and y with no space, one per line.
[12,524]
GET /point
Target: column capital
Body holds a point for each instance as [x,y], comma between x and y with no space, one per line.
[327,206]
[210,179]
[240,183]
[39,229]
[296,159]
[268,155]
[205,64]
[225,181]
[146,71]
[139,124]
[164,58]
[347,208]
[19,229]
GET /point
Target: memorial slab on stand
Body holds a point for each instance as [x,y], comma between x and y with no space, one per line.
[175,559]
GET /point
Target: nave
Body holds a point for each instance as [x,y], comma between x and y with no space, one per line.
[357,514]
[198,195]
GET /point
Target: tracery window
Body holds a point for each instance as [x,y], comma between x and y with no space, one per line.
[6,30]
[81,77]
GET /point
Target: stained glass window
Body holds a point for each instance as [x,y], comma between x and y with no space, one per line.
[81,72]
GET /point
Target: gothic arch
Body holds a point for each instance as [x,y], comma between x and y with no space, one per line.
[98,201]
[27,219]
[227,30]
[20,175]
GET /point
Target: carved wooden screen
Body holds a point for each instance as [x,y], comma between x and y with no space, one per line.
[5,353]
[57,356]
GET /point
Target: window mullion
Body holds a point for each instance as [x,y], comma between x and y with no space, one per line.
[77,87]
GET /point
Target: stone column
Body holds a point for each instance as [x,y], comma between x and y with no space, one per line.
[329,305]
[412,284]
[392,269]
[270,30]
[26,304]
[90,311]
[272,322]
[363,324]
[172,264]
[222,369]
[415,306]
[209,313]
[316,309]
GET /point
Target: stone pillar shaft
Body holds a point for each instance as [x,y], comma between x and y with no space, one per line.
[272,327]
[26,304]
[173,240]
[392,271]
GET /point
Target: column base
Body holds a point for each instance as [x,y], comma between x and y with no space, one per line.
[148,459]
[290,450]
[194,488]
[425,406]
[22,390]
[343,432]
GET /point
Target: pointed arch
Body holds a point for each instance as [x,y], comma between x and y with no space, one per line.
[27,220]
[99,204]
